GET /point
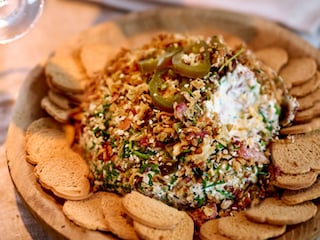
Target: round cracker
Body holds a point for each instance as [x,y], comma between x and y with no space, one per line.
[183,231]
[274,211]
[54,141]
[303,195]
[151,212]
[300,128]
[87,213]
[309,100]
[41,123]
[308,114]
[116,218]
[298,71]
[306,88]
[94,57]
[295,181]
[239,227]
[298,155]
[60,100]
[66,73]
[209,230]
[65,175]
[59,114]
[274,57]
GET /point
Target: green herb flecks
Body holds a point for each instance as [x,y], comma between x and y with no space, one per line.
[226,63]
[149,167]
[225,193]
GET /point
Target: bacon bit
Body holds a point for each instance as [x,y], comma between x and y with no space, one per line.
[251,154]
[144,141]
[115,97]
[125,124]
[202,134]
[159,144]
[109,150]
[200,215]
[180,109]
[274,171]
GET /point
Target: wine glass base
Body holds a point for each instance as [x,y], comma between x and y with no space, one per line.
[17,17]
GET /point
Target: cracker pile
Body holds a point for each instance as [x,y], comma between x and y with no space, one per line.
[67,75]
[58,168]
[134,216]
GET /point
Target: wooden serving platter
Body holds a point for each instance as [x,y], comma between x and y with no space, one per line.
[133,30]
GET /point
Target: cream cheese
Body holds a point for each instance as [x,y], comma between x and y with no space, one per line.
[240,107]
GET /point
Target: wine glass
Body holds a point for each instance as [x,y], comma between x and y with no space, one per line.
[17,17]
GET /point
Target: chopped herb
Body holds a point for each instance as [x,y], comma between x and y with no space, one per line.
[264,170]
[215,184]
[150,183]
[219,146]
[141,155]
[226,63]
[278,109]
[200,201]
[149,166]
[177,126]
[186,150]
[257,70]
[96,131]
[264,119]
[173,179]
[197,172]
[228,167]
[106,106]
[125,150]
[225,193]
[150,152]
[269,127]
[113,142]
[110,173]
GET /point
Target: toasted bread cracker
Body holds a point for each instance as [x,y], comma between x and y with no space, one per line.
[61,101]
[303,195]
[209,230]
[116,218]
[87,213]
[234,42]
[304,127]
[41,123]
[54,141]
[308,114]
[299,155]
[274,57]
[94,57]
[239,227]
[75,98]
[309,100]
[295,181]
[65,175]
[274,211]
[151,212]
[306,88]
[59,114]
[66,73]
[183,231]
[298,71]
